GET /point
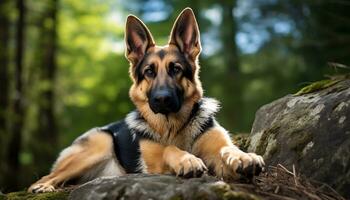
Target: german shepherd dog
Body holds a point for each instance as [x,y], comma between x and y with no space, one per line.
[173,129]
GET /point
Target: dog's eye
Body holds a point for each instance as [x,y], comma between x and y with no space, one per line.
[150,73]
[175,68]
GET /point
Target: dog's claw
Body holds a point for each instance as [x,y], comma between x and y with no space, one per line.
[41,188]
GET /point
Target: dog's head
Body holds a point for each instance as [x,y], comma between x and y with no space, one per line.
[164,78]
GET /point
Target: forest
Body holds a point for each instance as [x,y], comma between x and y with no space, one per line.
[63,70]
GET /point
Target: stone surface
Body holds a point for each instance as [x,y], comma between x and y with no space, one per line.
[144,187]
[310,131]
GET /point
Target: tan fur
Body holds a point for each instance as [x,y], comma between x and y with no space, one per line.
[152,155]
[76,161]
[162,159]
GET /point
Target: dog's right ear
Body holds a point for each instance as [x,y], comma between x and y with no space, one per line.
[185,34]
[137,39]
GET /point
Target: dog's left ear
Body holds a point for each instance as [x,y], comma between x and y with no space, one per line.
[185,34]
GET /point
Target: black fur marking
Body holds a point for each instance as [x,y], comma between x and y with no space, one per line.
[209,123]
[126,146]
[187,68]
[138,69]
[161,53]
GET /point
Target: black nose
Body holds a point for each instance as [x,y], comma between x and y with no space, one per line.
[162,98]
[164,101]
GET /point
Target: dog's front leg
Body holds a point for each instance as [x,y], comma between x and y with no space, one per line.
[223,157]
[162,159]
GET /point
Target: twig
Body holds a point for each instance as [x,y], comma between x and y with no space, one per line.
[285,169]
[294,176]
[277,189]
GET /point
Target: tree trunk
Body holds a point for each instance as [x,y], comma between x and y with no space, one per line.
[14,147]
[233,109]
[48,74]
[228,34]
[4,83]
[47,61]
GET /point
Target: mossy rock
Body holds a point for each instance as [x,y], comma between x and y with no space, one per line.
[166,187]
[308,130]
[42,196]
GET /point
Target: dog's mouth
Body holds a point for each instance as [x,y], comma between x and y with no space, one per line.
[165,110]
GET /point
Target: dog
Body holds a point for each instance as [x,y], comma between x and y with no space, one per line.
[173,129]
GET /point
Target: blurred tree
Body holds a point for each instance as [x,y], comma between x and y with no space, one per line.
[46,60]
[4,68]
[325,30]
[4,80]
[14,147]
[233,106]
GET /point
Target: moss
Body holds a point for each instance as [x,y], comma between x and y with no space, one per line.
[234,195]
[316,86]
[176,197]
[225,192]
[242,141]
[43,196]
[264,140]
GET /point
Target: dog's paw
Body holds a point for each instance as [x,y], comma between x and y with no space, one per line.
[247,164]
[41,188]
[190,166]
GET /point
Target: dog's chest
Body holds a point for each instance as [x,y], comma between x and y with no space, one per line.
[183,139]
[127,133]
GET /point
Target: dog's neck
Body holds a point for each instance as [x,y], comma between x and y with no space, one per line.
[193,119]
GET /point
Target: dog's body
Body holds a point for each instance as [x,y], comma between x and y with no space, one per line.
[172,131]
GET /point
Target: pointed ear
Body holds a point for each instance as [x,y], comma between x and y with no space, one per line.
[137,39]
[185,34]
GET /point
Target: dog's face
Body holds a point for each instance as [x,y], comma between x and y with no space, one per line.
[164,78]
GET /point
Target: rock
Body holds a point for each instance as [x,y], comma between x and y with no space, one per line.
[142,186]
[275,183]
[310,131]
